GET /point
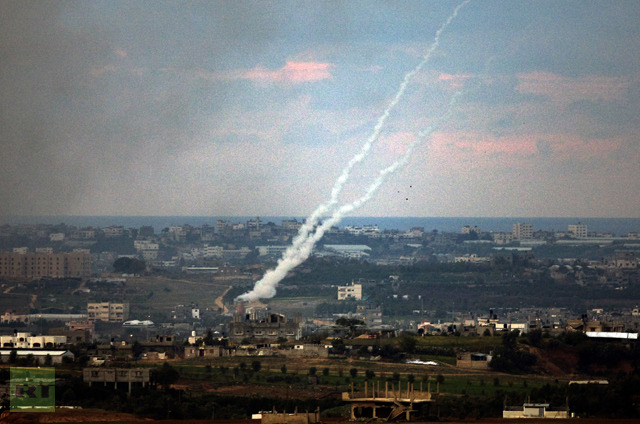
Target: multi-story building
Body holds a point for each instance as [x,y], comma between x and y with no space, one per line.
[522,231]
[147,249]
[291,224]
[107,311]
[353,291]
[468,229]
[625,259]
[113,231]
[578,230]
[76,264]
[502,238]
[269,328]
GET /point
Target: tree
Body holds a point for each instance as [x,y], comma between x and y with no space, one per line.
[128,265]
[312,371]
[208,338]
[283,369]
[407,343]
[256,366]
[353,372]
[165,375]
[370,374]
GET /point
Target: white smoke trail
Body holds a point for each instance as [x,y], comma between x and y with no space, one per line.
[312,220]
[310,233]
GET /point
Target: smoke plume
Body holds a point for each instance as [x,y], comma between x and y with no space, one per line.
[311,231]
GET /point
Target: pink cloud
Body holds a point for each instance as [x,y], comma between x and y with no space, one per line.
[292,72]
[563,89]
[455,81]
[482,147]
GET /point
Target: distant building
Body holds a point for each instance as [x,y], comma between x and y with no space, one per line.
[21,340]
[476,361]
[114,376]
[291,224]
[578,230]
[107,312]
[522,231]
[113,231]
[467,229]
[269,328]
[502,238]
[56,237]
[534,410]
[353,291]
[271,250]
[355,251]
[55,356]
[29,266]
[625,259]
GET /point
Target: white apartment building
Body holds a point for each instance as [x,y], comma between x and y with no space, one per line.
[20,340]
[147,249]
[353,291]
[522,231]
[578,230]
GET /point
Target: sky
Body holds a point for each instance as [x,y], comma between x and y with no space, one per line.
[241,108]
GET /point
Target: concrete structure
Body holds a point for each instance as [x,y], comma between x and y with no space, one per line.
[21,340]
[107,312]
[534,410]
[219,351]
[31,266]
[56,356]
[271,250]
[390,404]
[475,361]
[578,230]
[522,231]
[275,417]
[269,328]
[355,251]
[625,259]
[353,291]
[130,376]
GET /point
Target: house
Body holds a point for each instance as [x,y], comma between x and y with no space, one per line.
[476,361]
[535,410]
[57,356]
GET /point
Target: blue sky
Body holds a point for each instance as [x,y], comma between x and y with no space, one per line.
[255,107]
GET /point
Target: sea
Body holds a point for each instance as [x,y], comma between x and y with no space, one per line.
[617,226]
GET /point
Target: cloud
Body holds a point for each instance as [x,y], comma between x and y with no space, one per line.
[291,73]
[455,81]
[562,89]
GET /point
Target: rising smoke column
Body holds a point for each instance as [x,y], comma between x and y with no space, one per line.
[310,233]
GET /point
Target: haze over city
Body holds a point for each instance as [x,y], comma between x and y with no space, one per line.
[254,108]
